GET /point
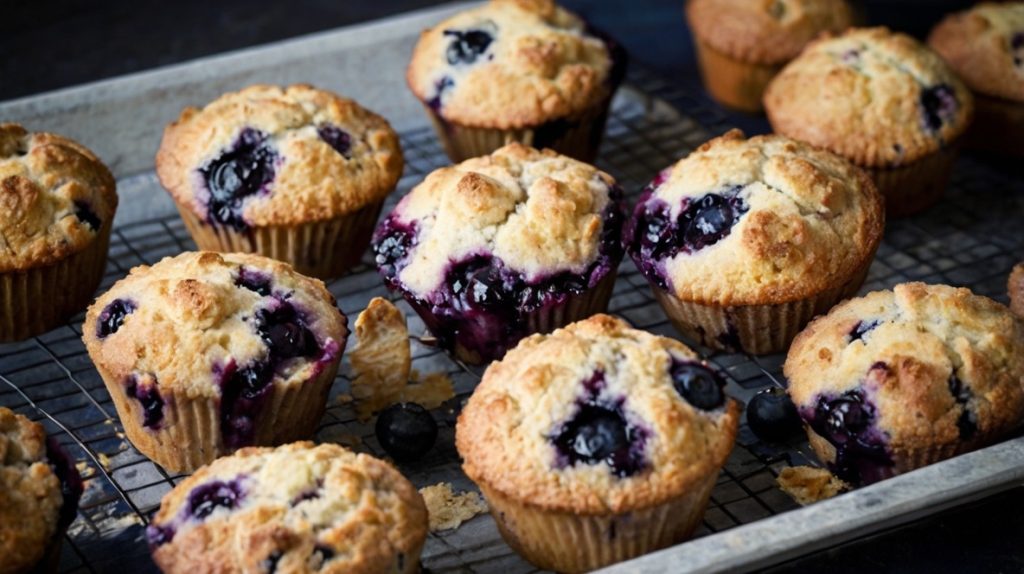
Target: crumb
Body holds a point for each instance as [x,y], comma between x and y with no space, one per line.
[448,510]
[429,391]
[344,399]
[381,359]
[85,470]
[807,484]
[104,460]
[1015,287]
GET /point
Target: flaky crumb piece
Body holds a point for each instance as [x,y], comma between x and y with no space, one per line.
[381,359]
[807,484]
[429,391]
[448,510]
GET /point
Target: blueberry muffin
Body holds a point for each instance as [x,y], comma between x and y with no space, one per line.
[745,240]
[39,492]
[298,508]
[596,443]
[516,70]
[57,203]
[741,45]
[985,47]
[882,100]
[204,353]
[899,379]
[292,173]
[501,246]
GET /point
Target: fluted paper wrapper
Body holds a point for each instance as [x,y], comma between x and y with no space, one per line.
[566,542]
[914,187]
[734,83]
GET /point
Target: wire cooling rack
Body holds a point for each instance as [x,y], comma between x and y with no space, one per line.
[971,239]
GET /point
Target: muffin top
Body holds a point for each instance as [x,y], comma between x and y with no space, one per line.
[512,64]
[766,32]
[596,417]
[30,493]
[270,155]
[295,508]
[918,366]
[985,47]
[755,221]
[55,197]
[877,97]
[214,325]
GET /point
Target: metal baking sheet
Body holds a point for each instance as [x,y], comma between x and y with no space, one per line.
[971,239]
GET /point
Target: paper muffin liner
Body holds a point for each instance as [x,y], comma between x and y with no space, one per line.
[734,83]
[567,542]
[321,249]
[998,126]
[36,300]
[755,329]
[189,435]
[916,186]
[545,319]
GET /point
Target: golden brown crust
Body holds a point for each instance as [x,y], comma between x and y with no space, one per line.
[295,499]
[765,31]
[42,177]
[503,432]
[1015,288]
[860,95]
[979,45]
[813,221]
[540,66]
[312,181]
[926,335]
[30,494]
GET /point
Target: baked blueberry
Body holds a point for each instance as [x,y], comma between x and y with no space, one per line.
[599,432]
[863,328]
[256,281]
[113,316]
[772,415]
[150,399]
[337,138]
[286,333]
[243,393]
[440,87]
[391,245]
[698,385]
[237,173]
[706,220]
[966,423]
[406,431]
[847,421]
[938,106]
[466,46]
[207,498]
[159,535]
[87,216]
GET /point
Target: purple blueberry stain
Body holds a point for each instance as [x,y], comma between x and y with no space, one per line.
[149,398]
[256,281]
[244,169]
[698,385]
[392,244]
[207,498]
[157,535]
[440,88]
[938,107]
[337,138]
[244,392]
[285,332]
[847,421]
[466,46]
[861,329]
[71,485]
[113,316]
[85,214]
[966,423]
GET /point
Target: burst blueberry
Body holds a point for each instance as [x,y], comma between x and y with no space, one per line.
[938,107]
[966,422]
[112,317]
[466,46]
[599,433]
[150,399]
[205,499]
[847,422]
[862,328]
[337,138]
[239,172]
[86,215]
[286,333]
[256,281]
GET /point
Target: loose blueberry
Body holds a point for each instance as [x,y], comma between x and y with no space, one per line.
[256,281]
[467,46]
[87,216]
[600,433]
[772,415]
[151,401]
[938,106]
[698,385]
[406,431]
[862,328]
[337,138]
[207,498]
[239,172]
[112,317]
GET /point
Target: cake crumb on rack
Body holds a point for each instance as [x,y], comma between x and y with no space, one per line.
[448,510]
[807,484]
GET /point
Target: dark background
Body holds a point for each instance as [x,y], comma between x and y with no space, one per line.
[50,45]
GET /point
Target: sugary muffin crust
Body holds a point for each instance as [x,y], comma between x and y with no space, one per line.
[876,97]
[985,47]
[654,412]
[755,221]
[232,326]
[55,196]
[270,155]
[297,508]
[767,32]
[30,493]
[919,368]
[1015,289]
[511,64]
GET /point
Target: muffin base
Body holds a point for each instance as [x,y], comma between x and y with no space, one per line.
[998,126]
[755,329]
[916,186]
[321,249]
[731,82]
[566,542]
[34,301]
[190,436]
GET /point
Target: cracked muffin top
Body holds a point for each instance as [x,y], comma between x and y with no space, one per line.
[55,197]
[768,31]
[985,47]
[596,417]
[270,155]
[876,97]
[296,508]
[755,221]
[512,64]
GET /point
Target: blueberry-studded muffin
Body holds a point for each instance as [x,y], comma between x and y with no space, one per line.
[57,203]
[502,246]
[985,47]
[516,70]
[298,508]
[882,100]
[899,379]
[39,492]
[745,240]
[204,353]
[596,443]
[741,45]
[292,173]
